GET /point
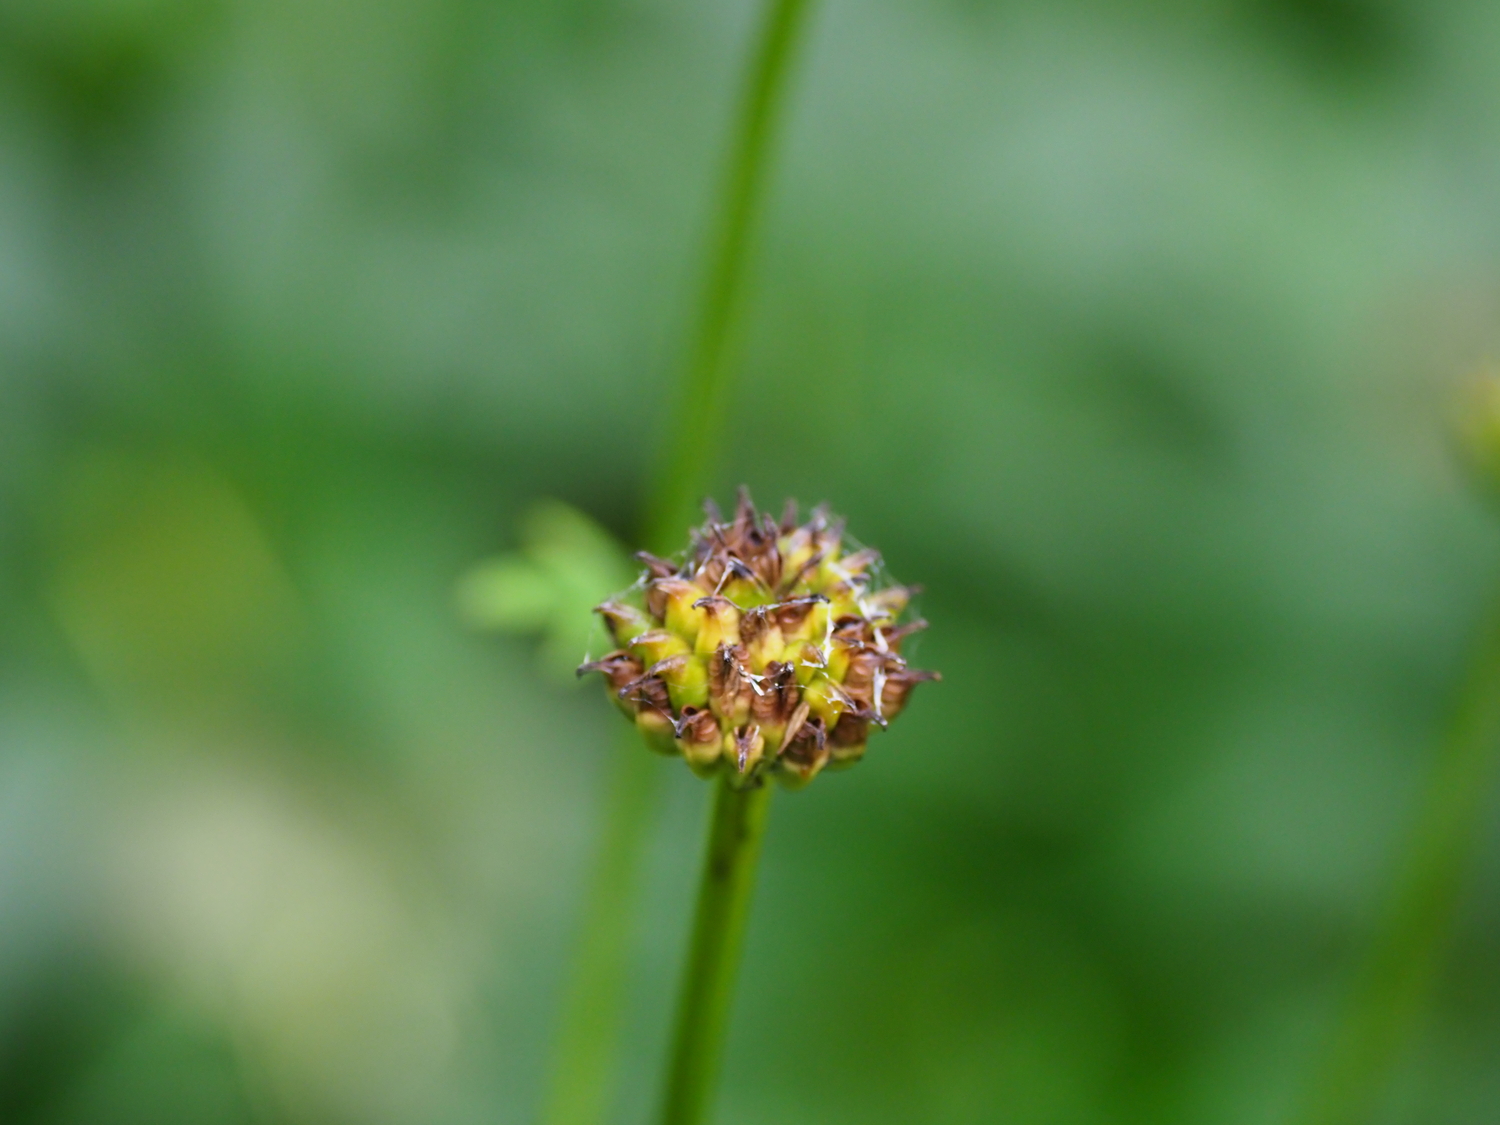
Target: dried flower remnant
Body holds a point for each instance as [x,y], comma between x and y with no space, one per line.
[769,650]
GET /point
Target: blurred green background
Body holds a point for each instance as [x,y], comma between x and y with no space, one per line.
[1125,329]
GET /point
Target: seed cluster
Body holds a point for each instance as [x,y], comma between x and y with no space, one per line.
[767,651]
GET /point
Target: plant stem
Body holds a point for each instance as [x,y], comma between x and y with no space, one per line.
[686,468]
[734,836]
[585,1051]
[586,1046]
[1391,993]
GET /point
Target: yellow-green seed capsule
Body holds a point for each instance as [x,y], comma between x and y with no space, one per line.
[719,625]
[624,621]
[745,748]
[672,600]
[700,739]
[768,650]
[658,645]
[686,677]
[826,700]
[761,637]
[846,743]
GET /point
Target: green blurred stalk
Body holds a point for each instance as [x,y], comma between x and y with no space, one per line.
[583,1065]
[1391,993]
[584,1062]
[734,836]
[702,401]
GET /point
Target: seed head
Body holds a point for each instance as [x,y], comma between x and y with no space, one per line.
[768,650]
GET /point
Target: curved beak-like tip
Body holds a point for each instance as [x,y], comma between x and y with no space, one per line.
[656,565]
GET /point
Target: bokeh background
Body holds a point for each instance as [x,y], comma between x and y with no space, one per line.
[1125,329]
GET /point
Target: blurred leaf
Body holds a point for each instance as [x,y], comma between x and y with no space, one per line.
[567,564]
[510,594]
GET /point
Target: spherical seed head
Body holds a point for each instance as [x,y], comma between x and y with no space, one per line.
[769,650]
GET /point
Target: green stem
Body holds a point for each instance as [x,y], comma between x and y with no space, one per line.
[734,835]
[586,1046]
[686,469]
[583,1065]
[1391,993]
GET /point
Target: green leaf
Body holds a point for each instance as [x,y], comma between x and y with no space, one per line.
[566,565]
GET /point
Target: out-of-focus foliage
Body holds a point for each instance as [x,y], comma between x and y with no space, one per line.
[567,564]
[1126,328]
[1476,427]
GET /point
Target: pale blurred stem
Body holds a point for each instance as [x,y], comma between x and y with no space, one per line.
[1391,994]
[734,836]
[584,1061]
[586,1048]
